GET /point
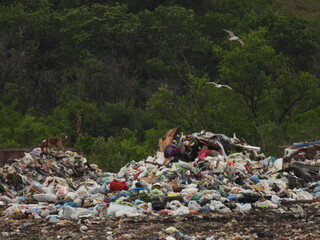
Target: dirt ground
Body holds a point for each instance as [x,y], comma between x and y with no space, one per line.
[257,224]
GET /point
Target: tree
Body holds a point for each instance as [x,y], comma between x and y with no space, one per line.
[266,85]
[115,152]
[15,50]
[290,36]
[8,122]
[304,126]
[172,46]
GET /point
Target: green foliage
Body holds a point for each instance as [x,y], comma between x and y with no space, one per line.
[289,36]
[102,30]
[305,126]
[59,122]
[8,122]
[162,105]
[89,69]
[110,119]
[270,90]
[115,152]
[84,143]
[170,39]
[202,107]
[30,132]
[21,131]
[132,149]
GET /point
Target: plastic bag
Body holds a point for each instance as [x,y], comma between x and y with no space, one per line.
[118,186]
[193,205]
[243,207]
[62,191]
[180,211]
[69,212]
[114,208]
[45,197]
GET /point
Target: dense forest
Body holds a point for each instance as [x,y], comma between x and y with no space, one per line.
[114,76]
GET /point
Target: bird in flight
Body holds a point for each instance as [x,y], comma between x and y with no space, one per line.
[219,85]
[233,37]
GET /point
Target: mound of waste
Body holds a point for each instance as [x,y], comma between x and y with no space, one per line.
[189,174]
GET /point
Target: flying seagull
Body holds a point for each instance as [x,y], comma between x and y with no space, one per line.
[219,85]
[233,37]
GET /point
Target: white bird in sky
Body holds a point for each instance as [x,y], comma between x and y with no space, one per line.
[219,85]
[233,37]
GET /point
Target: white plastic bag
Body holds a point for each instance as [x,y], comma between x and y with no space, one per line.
[114,208]
[174,204]
[243,207]
[69,212]
[180,211]
[45,197]
[193,205]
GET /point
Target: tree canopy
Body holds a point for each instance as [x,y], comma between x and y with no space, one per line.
[118,74]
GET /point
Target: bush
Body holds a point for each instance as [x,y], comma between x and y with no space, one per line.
[117,151]
[85,143]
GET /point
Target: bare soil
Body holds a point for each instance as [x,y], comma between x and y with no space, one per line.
[257,224]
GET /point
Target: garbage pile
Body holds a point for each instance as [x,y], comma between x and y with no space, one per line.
[189,174]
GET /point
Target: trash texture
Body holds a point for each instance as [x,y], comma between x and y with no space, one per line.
[188,176]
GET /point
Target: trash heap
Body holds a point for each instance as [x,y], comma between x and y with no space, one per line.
[189,174]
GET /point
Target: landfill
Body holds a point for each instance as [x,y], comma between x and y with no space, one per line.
[191,177]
